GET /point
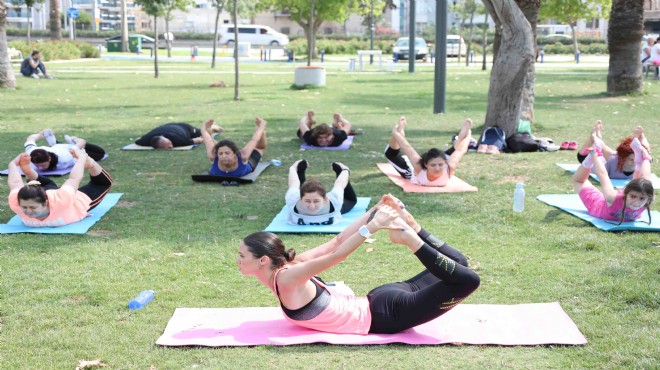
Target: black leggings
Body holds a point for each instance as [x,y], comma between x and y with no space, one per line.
[96,189]
[444,283]
[94,151]
[350,198]
[400,163]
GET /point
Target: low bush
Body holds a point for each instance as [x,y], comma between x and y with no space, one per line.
[60,50]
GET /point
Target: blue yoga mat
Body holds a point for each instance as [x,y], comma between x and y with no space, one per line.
[15,225]
[617,183]
[572,204]
[279,224]
[345,145]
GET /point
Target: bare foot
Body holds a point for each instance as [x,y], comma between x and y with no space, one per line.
[208,125]
[260,122]
[638,132]
[598,129]
[311,119]
[401,126]
[217,129]
[466,129]
[23,162]
[394,202]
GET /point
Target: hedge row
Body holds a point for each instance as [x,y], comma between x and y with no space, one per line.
[60,50]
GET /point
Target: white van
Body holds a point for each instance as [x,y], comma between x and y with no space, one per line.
[453,44]
[254,34]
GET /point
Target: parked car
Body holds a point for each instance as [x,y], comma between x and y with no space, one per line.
[254,34]
[400,49]
[553,38]
[454,44]
[147,42]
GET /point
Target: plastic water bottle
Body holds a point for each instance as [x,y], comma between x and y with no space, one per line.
[519,198]
[141,300]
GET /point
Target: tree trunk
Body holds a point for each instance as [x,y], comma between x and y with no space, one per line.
[29,23]
[310,31]
[155,46]
[55,26]
[530,9]
[469,42]
[234,18]
[124,28]
[626,28]
[215,33]
[168,40]
[511,65]
[485,43]
[575,44]
[7,78]
[311,38]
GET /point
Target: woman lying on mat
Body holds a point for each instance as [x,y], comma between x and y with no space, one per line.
[619,163]
[323,135]
[309,204]
[309,302]
[433,168]
[227,159]
[623,205]
[41,204]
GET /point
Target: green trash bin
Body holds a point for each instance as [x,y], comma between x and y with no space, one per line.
[134,43]
[113,45]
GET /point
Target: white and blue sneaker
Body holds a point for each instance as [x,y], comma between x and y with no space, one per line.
[50,137]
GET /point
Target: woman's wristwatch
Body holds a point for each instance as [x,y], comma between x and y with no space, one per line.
[364,231]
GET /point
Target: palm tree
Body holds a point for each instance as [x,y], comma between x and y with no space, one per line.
[55,22]
[626,28]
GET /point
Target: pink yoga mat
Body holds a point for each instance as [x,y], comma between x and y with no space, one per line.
[509,325]
[454,185]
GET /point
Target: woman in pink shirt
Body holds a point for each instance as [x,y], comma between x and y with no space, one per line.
[308,301]
[39,203]
[612,204]
[432,168]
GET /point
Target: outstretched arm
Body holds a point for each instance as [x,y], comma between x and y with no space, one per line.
[341,181]
[605,183]
[252,144]
[294,181]
[14,179]
[209,142]
[406,147]
[78,169]
[299,273]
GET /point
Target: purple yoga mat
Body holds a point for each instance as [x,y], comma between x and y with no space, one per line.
[509,325]
[346,145]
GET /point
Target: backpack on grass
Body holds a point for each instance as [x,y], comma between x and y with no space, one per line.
[522,142]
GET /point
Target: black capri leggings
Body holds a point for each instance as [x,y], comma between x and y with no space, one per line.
[96,189]
[444,283]
[94,151]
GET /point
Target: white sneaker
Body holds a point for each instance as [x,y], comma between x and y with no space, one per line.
[50,137]
[34,75]
[69,139]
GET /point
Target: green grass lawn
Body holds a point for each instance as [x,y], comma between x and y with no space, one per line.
[64,297]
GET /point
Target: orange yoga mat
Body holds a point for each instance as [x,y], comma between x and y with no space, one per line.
[455,185]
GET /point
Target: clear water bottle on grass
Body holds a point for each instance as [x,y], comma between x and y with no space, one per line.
[141,300]
[519,198]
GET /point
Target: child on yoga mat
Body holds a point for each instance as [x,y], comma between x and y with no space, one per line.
[41,204]
[227,159]
[619,163]
[323,135]
[309,204]
[623,205]
[432,168]
[308,301]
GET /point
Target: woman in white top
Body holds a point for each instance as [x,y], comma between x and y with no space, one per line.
[432,168]
[307,200]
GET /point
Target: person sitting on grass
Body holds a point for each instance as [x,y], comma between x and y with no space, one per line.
[172,135]
[228,160]
[323,135]
[432,168]
[622,205]
[57,156]
[41,204]
[32,65]
[619,163]
[309,302]
[307,200]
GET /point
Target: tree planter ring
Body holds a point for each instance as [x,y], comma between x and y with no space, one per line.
[310,76]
